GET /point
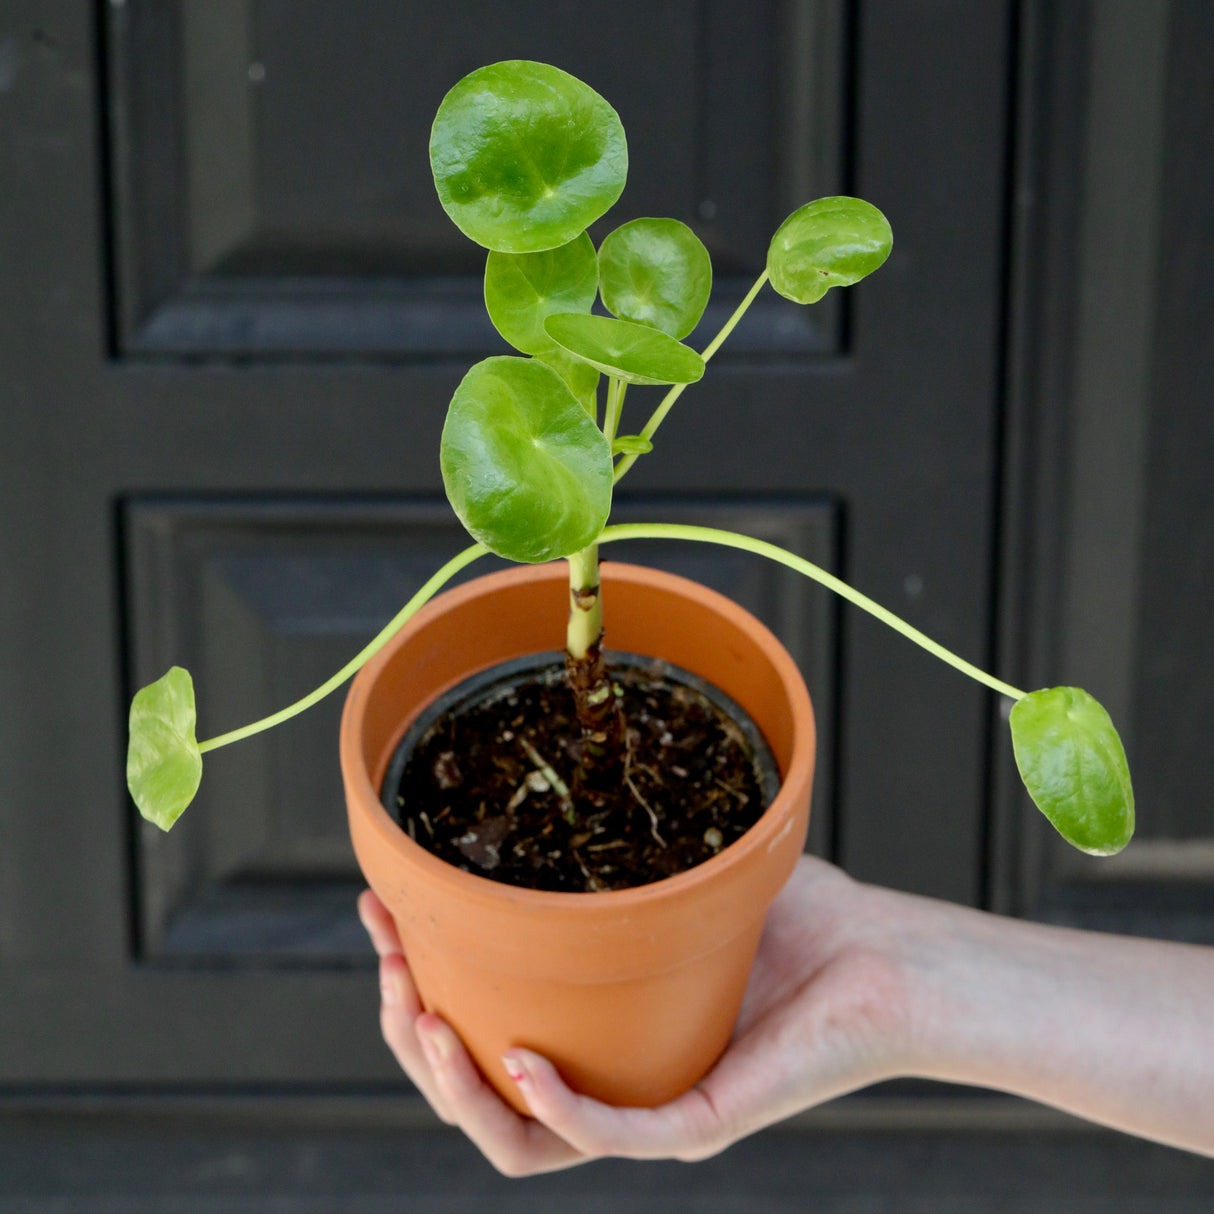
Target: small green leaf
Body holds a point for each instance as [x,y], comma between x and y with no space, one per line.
[631,444]
[832,242]
[525,467]
[526,156]
[635,353]
[523,289]
[580,377]
[1074,767]
[656,272]
[163,763]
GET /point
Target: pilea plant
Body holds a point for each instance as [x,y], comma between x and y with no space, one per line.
[525,157]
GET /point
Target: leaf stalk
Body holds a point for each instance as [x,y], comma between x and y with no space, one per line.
[667,402]
[731,539]
[419,600]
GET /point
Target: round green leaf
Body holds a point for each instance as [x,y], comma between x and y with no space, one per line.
[635,353]
[656,272]
[163,763]
[525,467]
[832,242]
[1074,767]
[526,156]
[523,289]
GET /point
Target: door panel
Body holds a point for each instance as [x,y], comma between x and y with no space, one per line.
[272,173]
[262,601]
[1120,543]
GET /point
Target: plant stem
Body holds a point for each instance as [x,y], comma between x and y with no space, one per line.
[728,327]
[594,700]
[730,539]
[616,388]
[419,600]
[585,606]
[664,407]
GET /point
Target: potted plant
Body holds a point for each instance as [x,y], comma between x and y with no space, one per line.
[485,884]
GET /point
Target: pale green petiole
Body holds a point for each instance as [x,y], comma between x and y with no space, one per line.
[728,327]
[730,539]
[616,388]
[419,600]
[664,407]
[586,625]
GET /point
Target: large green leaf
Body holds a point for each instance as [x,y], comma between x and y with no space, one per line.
[163,764]
[1074,767]
[656,272]
[523,289]
[832,242]
[525,467]
[526,156]
[636,353]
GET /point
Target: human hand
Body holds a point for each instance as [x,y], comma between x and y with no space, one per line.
[825,1013]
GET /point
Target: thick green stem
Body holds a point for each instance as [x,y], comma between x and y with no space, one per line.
[594,700]
[419,600]
[585,607]
[667,401]
[729,539]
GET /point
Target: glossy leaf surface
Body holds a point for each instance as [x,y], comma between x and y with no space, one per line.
[523,289]
[832,242]
[525,156]
[635,353]
[163,763]
[656,272]
[1074,767]
[581,378]
[525,467]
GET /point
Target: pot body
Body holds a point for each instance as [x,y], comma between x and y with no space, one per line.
[631,993]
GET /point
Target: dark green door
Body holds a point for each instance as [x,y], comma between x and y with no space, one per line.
[231,315]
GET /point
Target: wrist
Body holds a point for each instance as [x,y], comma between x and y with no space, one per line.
[897,1007]
[957,1010]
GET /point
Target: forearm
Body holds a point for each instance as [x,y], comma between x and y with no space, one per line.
[1114,1029]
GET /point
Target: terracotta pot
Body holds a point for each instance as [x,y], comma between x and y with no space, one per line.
[632,993]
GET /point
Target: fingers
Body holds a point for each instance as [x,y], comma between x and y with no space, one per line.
[687,1128]
[379,924]
[435,1060]
[566,1129]
[516,1146]
[400,1005]
[399,1010]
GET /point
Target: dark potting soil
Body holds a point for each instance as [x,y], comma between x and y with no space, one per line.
[494,789]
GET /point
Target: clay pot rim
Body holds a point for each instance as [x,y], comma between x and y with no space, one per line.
[776,821]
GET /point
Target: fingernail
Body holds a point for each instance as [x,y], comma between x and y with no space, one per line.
[515,1069]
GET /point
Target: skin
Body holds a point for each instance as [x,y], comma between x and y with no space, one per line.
[855,984]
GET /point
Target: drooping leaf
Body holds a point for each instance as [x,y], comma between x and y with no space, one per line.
[580,377]
[832,242]
[163,763]
[523,289]
[636,353]
[1074,767]
[526,156]
[656,272]
[525,467]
